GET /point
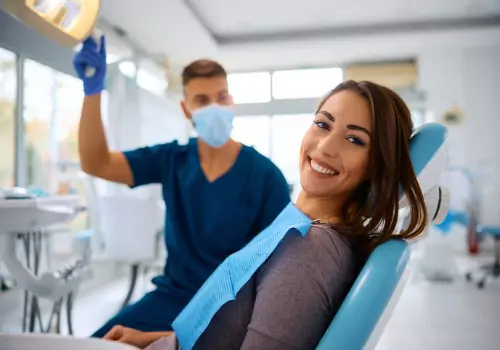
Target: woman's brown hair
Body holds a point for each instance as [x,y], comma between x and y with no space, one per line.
[371,213]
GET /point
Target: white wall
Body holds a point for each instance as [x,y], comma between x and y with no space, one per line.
[136,117]
[162,120]
[469,78]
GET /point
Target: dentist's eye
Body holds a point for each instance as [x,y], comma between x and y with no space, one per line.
[322,125]
[224,98]
[355,140]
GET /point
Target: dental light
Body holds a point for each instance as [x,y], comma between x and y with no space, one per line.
[68,22]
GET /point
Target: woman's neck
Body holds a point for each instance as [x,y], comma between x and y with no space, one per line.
[317,208]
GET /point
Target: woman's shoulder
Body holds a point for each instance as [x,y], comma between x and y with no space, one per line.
[323,238]
[331,236]
[322,259]
[323,248]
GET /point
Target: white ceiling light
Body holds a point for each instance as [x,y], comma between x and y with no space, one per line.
[151,82]
[127,68]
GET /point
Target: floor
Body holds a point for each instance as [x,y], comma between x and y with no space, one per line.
[429,316]
[454,316]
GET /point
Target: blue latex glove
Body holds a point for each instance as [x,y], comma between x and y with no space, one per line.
[91,56]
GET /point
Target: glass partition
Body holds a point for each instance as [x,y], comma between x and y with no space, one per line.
[8,86]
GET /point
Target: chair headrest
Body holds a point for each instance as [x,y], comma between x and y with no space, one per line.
[425,142]
[428,158]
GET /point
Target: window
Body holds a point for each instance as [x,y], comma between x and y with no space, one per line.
[8,83]
[287,132]
[305,83]
[68,105]
[250,87]
[39,109]
[253,131]
[52,107]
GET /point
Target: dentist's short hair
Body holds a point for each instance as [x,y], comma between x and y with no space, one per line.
[203,68]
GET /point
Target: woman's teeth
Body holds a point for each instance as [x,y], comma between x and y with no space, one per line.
[319,169]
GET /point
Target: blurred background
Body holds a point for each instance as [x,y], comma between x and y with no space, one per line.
[282,57]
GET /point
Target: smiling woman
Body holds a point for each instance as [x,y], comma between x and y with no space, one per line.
[356,152]
[335,150]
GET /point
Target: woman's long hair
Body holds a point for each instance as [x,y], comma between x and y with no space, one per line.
[371,213]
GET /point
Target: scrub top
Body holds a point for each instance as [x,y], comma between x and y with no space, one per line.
[207,221]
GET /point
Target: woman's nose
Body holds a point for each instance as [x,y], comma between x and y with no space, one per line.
[329,145]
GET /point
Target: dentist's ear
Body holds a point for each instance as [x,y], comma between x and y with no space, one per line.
[186,111]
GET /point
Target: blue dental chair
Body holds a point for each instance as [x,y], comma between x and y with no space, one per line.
[469,218]
[491,270]
[368,306]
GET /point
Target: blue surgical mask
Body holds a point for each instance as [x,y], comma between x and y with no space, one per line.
[214,124]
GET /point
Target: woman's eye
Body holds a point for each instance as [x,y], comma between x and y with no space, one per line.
[355,140]
[321,125]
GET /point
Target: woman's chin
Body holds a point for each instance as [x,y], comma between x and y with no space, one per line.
[315,188]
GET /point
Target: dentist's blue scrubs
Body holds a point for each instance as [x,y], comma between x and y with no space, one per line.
[205,222]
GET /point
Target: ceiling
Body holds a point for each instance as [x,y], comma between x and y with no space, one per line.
[241,18]
[257,34]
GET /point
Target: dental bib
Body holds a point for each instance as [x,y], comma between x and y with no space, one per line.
[236,270]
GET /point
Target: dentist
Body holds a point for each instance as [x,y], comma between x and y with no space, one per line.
[219,193]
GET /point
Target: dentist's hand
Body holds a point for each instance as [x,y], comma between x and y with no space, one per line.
[95,57]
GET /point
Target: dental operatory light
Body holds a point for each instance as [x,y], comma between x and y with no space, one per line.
[67,22]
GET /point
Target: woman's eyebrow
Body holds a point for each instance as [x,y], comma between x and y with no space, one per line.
[327,114]
[358,128]
[350,126]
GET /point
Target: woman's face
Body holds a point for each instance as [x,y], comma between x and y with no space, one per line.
[335,150]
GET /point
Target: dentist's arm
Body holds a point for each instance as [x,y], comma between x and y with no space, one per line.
[95,157]
[135,167]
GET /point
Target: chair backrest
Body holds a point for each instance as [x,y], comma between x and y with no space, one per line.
[365,311]
[129,226]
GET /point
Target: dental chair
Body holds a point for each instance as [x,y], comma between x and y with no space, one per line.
[368,306]
[132,229]
[483,273]
[127,229]
[468,217]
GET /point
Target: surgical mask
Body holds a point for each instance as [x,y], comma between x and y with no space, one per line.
[214,124]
